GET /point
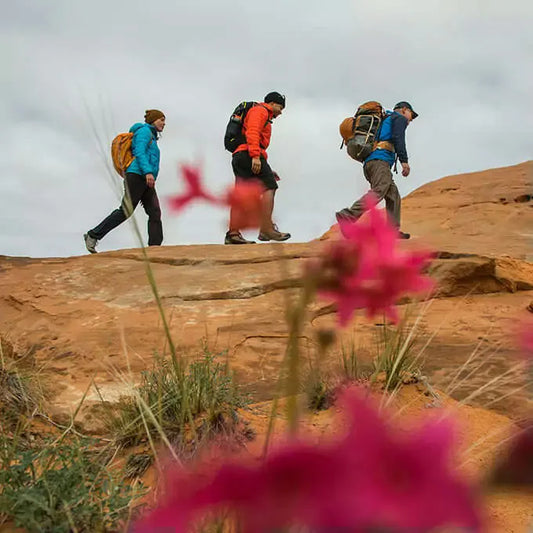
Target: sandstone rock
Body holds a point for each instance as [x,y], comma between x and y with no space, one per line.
[94,318]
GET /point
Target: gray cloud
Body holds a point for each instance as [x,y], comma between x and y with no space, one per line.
[77,73]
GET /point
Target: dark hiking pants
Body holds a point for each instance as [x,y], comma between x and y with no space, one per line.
[379,175]
[135,190]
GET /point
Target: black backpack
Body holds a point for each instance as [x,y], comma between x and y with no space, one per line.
[234,136]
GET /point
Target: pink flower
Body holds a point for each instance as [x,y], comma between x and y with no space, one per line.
[372,477]
[245,202]
[368,270]
[195,189]
[244,198]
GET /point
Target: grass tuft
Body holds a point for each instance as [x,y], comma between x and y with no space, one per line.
[185,402]
[63,486]
[394,356]
[21,393]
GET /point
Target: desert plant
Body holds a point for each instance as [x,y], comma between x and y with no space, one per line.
[351,368]
[63,486]
[21,392]
[178,400]
[320,394]
[394,358]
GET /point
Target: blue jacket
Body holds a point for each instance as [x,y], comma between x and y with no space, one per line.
[392,130]
[144,148]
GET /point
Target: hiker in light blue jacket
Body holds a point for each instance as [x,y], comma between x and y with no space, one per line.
[139,183]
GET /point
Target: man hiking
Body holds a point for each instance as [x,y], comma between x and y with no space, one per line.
[390,145]
[139,183]
[249,161]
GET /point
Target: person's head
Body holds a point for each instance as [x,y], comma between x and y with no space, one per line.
[406,109]
[276,101]
[156,118]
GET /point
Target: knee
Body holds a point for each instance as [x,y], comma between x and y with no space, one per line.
[155,213]
[127,210]
[381,190]
[393,191]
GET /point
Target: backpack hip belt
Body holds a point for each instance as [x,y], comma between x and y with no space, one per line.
[384,145]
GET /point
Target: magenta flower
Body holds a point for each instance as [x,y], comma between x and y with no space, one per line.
[374,476]
[367,269]
[194,189]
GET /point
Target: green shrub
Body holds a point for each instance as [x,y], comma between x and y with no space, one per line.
[394,354]
[21,393]
[62,488]
[173,398]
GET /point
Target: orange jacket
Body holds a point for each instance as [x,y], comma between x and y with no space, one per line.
[257,129]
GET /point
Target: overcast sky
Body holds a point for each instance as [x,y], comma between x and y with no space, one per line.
[75,73]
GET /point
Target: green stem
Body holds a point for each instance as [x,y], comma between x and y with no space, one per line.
[296,322]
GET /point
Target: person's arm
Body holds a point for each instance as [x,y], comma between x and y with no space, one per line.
[398,127]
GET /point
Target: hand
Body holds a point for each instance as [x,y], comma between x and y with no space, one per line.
[256,165]
[405,169]
[150,180]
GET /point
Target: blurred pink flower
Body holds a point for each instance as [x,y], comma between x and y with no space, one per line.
[373,477]
[194,189]
[244,200]
[367,269]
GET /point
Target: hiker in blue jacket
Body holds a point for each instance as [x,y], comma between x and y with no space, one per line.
[139,183]
[377,166]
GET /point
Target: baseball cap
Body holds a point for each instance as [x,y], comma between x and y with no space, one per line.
[407,105]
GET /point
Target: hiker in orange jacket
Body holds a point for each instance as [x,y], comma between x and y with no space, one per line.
[249,161]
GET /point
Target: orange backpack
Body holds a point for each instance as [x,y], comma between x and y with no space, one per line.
[121,152]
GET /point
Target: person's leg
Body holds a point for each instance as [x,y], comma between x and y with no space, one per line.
[393,202]
[268,230]
[241,164]
[134,186]
[379,175]
[267,208]
[150,203]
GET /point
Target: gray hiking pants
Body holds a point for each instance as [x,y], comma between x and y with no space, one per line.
[379,175]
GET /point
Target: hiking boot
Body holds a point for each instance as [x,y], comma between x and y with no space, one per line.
[404,235]
[235,237]
[273,235]
[344,216]
[90,243]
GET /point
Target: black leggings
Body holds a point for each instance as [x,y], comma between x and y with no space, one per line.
[138,191]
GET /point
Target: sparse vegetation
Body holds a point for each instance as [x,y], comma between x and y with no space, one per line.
[394,353]
[63,486]
[320,393]
[21,393]
[351,368]
[181,401]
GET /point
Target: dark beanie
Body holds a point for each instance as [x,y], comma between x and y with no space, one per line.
[151,115]
[275,98]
